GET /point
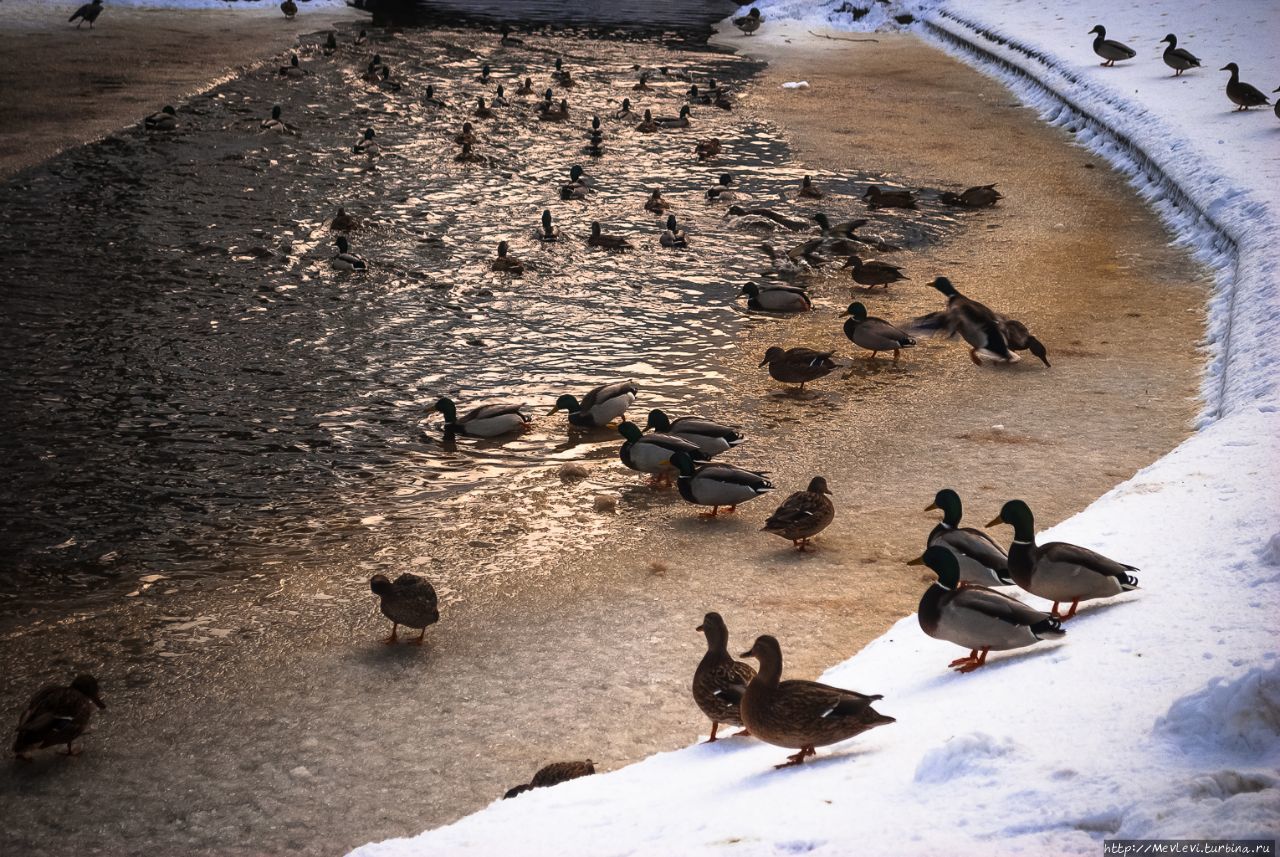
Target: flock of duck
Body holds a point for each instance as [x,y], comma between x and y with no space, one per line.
[968,604]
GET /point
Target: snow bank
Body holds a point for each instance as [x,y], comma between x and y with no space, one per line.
[1159,714]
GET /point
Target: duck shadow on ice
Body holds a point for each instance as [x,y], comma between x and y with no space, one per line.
[768,775]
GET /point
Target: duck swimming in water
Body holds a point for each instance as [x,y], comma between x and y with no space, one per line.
[681,121]
[1176,58]
[343,222]
[673,236]
[724,191]
[165,120]
[647,124]
[276,125]
[808,190]
[1242,95]
[707,149]
[467,136]
[547,232]
[600,406]
[484,421]
[507,264]
[607,242]
[1110,50]
[624,112]
[367,145]
[525,88]
[482,110]
[345,260]
[655,204]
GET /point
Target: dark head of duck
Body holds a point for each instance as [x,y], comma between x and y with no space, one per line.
[1017,514]
[948,501]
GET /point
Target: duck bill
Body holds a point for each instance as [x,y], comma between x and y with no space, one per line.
[763,363]
[931,507]
[917,561]
[997,522]
[749,654]
[553,410]
[700,628]
[97,700]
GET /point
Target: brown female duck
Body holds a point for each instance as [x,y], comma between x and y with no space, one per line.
[655,204]
[1242,94]
[409,601]
[797,365]
[808,190]
[553,775]
[982,196]
[872,273]
[877,197]
[803,515]
[720,682]
[57,715]
[506,263]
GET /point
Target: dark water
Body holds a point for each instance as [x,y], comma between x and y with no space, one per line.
[687,17]
[189,386]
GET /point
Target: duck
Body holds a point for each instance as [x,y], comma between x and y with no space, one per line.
[483,421]
[387,82]
[330,43]
[1242,95]
[485,72]
[608,242]
[1109,49]
[844,229]
[558,113]
[345,260]
[655,204]
[579,184]
[803,515]
[976,617]
[525,88]
[165,120]
[982,196]
[717,485]
[1277,107]
[711,438]
[720,682]
[547,232]
[681,121]
[429,97]
[808,190]
[624,112]
[294,69]
[367,145]
[724,191]
[361,38]
[467,156]
[749,22]
[874,334]
[769,214]
[289,8]
[974,322]
[600,406]
[1019,338]
[595,129]
[553,775]
[775,298]
[797,365]
[673,236]
[707,149]
[651,453]
[503,262]
[466,136]
[373,71]
[276,125]
[642,85]
[89,12]
[58,715]
[343,222]
[877,197]
[561,75]
[1058,571]
[410,601]
[482,110]
[802,715]
[872,273]
[980,559]
[508,40]
[1176,58]
[647,124]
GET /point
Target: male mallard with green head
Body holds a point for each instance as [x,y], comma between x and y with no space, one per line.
[651,453]
[673,236]
[717,485]
[975,617]
[720,682]
[57,715]
[681,121]
[409,601]
[874,334]
[599,407]
[797,365]
[803,515]
[709,436]
[547,232]
[483,421]
[801,715]
[607,242]
[974,322]
[980,559]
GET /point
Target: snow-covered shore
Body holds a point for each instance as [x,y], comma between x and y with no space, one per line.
[1159,715]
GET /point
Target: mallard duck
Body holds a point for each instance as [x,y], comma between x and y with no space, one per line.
[803,515]
[367,145]
[808,190]
[624,112]
[647,125]
[608,242]
[844,229]
[547,232]
[873,273]
[777,298]
[681,121]
[974,322]
[525,88]
[1242,95]
[289,8]
[485,73]
[294,69]
[975,617]
[482,421]
[717,485]
[482,110]
[723,191]
[373,71]
[594,148]
[57,715]
[89,12]
[409,601]
[874,334]
[467,156]
[1176,58]
[651,453]
[1020,339]
[361,38]
[1059,572]
[343,222]
[877,197]
[780,219]
[982,196]
[330,43]
[387,82]
[503,262]
[1109,49]
[562,76]
[578,187]
[707,149]
[720,682]
[467,136]
[797,365]
[345,260]
[165,120]
[276,125]
[559,113]
[655,204]
[429,97]
[980,559]
[508,40]
[749,22]
[553,775]
[601,406]
[673,236]
[801,715]
[710,437]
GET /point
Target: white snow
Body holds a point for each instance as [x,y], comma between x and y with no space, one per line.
[1158,716]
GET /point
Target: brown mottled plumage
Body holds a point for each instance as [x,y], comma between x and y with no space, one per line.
[57,715]
[719,682]
[804,514]
[797,365]
[410,601]
[554,774]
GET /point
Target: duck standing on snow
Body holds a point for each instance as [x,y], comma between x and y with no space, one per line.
[508,264]
[276,125]
[1109,49]
[1058,571]
[289,8]
[982,196]
[1176,58]
[165,120]
[57,715]
[980,559]
[710,437]
[553,775]
[651,453]
[975,617]
[483,421]
[777,298]
[599,407]
[673,236]
[976,323]
[1242,94]
[410,601]
[88,13]
[803,515]
[749,22]
[720,682]
[874,334]
[797,365]
[345,260]
[801,715]
[717,485]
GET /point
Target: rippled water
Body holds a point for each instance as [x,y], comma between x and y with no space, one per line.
[188,380]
